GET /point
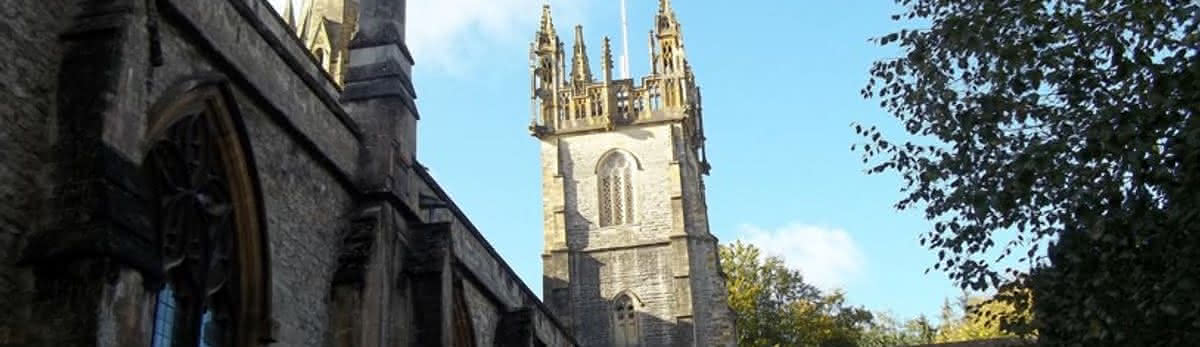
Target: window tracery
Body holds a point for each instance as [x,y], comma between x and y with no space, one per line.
[615,189]
[207,221]
[196,229]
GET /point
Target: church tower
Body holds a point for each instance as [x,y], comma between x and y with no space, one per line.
[326,28]
[628,259]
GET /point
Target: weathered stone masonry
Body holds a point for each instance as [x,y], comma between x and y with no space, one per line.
[338,236]
[605,246]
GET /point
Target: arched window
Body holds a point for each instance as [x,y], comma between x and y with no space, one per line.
[208,226]
[616,189]
[196,230]
[625,322]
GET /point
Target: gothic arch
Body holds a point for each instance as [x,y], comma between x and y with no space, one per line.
[209,222]
[615,188]
[637,301]
[608,155]
[626,320]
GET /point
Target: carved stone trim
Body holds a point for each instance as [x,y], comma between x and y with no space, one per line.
[358,242]
[432,289]
[431,249]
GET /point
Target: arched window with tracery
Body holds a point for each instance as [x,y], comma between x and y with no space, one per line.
[625,322]
[615,188]
[208,226]
[195,225]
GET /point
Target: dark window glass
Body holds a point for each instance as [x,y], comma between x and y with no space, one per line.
[164,318]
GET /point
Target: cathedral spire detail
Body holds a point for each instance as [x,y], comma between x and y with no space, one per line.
[581,70]
[665,21]
[668,57]
[547,70]
[326,28]
[608,60]
[567,97]
[547,24]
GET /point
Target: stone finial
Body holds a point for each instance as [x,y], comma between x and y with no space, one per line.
[653,54]
[547,26]
[665,21]
[608,60]
[546,39]
[581,71]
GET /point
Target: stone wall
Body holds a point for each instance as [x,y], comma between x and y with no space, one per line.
[652,146]
[292,131]
[631,258]
[666,257]
[29,82]
[714,318]
[643,272]
[338,198]
[492,287]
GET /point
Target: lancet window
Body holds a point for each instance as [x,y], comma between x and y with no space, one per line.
[580,108]
[207,224]
[625,323]
[655,97]
[196,231]
[597,104]
[623,103]
[616,189]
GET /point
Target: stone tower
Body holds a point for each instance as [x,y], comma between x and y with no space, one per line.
[326,28]
[628,259]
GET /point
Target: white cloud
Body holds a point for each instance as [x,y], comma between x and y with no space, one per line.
[827,257]
[457,36]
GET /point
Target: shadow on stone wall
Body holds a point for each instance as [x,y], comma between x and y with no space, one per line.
[572,280]
[591,315]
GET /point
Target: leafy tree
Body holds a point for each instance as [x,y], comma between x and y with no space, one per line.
[1065,122]
[920,327]
[886,331]
[775,307]
[977,318]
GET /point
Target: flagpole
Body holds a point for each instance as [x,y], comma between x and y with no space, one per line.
[624,42]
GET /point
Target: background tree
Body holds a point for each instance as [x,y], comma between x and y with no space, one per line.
[885,330]
[775,307]
[1068,122]
[978,318]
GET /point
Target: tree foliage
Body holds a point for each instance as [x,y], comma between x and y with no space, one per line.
[979,318]
[885,330]
[1071,123]
[775,307]
[968,318]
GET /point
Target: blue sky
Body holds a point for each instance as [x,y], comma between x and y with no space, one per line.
[781,82]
